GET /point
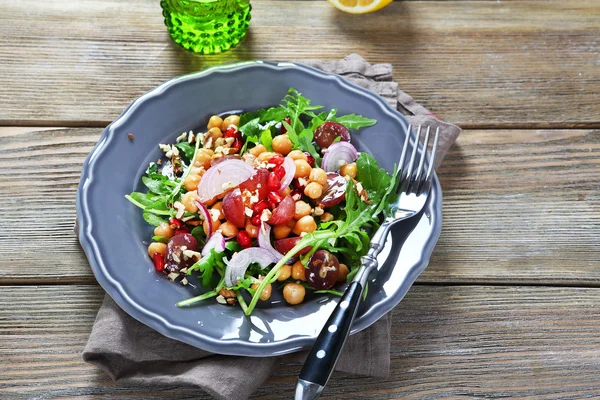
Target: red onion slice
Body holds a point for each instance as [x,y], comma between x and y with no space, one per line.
[205,215]
[290,170]
[237,266]
[338,154]
[264,240]
[222,177]
[216,243]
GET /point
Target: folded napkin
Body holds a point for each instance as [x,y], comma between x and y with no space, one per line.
[133,353]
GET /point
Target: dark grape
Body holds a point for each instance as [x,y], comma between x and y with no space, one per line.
[334,192]
[176,259]
[323,270]
[326,133]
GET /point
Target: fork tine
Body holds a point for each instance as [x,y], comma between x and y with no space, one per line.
[412,158]
[404,150]
[423,155]
[433,151]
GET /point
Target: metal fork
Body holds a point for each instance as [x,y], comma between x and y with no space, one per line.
[413,189]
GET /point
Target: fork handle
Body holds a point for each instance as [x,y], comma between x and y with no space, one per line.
[322,358]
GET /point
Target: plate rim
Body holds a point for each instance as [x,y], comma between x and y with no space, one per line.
[243,348]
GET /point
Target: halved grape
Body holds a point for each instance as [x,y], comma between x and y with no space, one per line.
[284,212]
[326,133]
[258,181]
[285,245]
[233,208]
[323,270]
[175,259]
[334,192]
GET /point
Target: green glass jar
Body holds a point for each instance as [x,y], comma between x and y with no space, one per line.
[207,26]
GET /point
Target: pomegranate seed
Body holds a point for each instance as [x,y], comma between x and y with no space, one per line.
[288,120]
[175,223]
[310,159]
[232,132]
[297,186]
[237,144]
[255,220]
[279,171]
[275,197]
[181,230]
[273,181]
[277,160]
[159,262]
[243,238]
[259,207]
[272,205]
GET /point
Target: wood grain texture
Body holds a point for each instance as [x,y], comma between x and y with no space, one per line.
[482,63]
[452,341]
[520,207]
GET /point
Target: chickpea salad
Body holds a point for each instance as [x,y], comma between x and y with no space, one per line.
[275,199]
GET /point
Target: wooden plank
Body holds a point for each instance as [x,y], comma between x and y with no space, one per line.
[525,63]
[520,207]
[447,341]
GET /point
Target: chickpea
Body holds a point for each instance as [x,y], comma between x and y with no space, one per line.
[294,293]
[305,224]
[348,170]
[257,150]
[298,271]
[282,144]
[326,217]
[318,175]
[231,120]
[281,231]
[297,155]
[197,171]
[302,169]
[302,209]
[210,202]
[287,191]
[189,201]
[344,271]
[219,207]
[313,190]
[214,134]
[215,121]
[228,229]
[252,230]
[157,248]
[164,229]
[191,182]
[215,225]
[266,293]
[203,157]
[266,156]
[284,272]
[291,224]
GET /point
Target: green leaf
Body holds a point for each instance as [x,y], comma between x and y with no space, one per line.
[249,116]
[374,180]
[198,234]
[161,239]
[291,132]
[187,150]
[330,291]
[233,246]
[157,185]
[251,131]
[153,219]
[206,267]
[276,114]
[142,199]
[266,139]
[353,121]
[305,143]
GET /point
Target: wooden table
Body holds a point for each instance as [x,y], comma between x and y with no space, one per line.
[510,304]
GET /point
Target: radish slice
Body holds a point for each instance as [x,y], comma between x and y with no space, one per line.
[290,170]
[216,243]
[264,239]
[205,216]
[338,154]
[222,177]
[237,266]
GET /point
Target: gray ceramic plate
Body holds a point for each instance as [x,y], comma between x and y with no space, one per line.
[113,233]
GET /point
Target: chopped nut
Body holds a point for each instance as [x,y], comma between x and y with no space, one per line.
[191,137]
[266,215]
[227,293]
[184,281]
[219,142]
[192,254]
[181,137]
[248,211]
[221,300]
[130,136]
[180,209]
[231,301]
[208,143]
[229,141]
[318,211]
[302,181]
[326,217]
[164,147]
[175,257]
[159,162]
[172,276]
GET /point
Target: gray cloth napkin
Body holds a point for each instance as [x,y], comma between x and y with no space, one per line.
[133,353]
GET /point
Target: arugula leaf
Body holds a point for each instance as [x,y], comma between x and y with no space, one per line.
[206,267]
[305,143]
[274,114]
[153,219]
[159,186]
[266,139]
[353,121]
[249,116]
[161,239]
[251,132]
[187,149]
[233,246]
[298,105]
[374,180]
[291,132]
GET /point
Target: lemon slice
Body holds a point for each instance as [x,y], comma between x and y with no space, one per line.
[359,6]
